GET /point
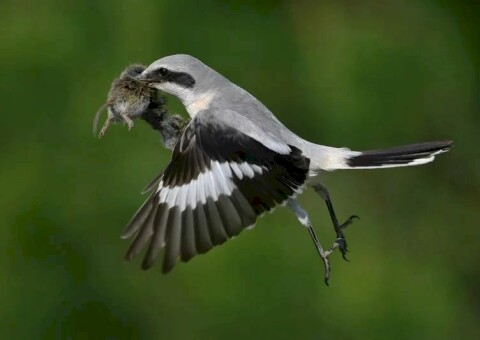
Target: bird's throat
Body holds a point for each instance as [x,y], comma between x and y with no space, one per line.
[199,103]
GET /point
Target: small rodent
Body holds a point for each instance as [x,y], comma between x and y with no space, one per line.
[170,126]
[127,99]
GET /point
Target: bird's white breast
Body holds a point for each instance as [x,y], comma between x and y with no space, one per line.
[199,103]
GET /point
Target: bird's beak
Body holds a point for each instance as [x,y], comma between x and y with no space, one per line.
[142,77]
[149,78]
[145,79]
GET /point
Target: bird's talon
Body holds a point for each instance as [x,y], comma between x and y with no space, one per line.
[342,246]
[341,241]
[349,221]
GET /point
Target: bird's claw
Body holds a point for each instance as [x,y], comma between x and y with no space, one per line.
[341,241]
[342,246]
[349,221]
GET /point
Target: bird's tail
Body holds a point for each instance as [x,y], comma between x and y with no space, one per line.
[407,155]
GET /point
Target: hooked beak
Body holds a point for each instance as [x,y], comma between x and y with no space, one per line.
[151,78]
[143,78]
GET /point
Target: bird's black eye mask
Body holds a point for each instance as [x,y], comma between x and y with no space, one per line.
[162,75]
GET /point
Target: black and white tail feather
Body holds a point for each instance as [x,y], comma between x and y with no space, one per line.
[407,155]
[328,158]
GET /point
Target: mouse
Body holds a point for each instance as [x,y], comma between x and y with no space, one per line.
[127,99]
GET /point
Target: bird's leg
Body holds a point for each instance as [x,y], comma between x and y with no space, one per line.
[341,241]
[302,216]
[127,120]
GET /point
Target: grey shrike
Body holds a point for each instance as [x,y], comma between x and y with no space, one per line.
[235,161]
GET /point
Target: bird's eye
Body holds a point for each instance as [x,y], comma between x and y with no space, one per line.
[162,71]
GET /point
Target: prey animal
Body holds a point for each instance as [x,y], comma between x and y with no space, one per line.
[127,100]
[169,125]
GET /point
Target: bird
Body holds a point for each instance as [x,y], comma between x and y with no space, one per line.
[232,163]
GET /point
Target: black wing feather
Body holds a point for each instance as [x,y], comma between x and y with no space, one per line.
[230,178]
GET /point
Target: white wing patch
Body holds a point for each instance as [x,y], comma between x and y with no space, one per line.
[216,181]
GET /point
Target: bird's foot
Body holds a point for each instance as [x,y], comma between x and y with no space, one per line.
[324,256]
[341,241]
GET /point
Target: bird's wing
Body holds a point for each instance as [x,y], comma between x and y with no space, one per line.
[261,129]
[217,183]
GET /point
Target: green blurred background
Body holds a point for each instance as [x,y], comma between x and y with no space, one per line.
[367,75]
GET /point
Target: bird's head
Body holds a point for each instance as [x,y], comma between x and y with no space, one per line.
[182,76]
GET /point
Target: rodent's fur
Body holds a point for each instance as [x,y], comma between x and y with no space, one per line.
[170,126]
[127,98]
